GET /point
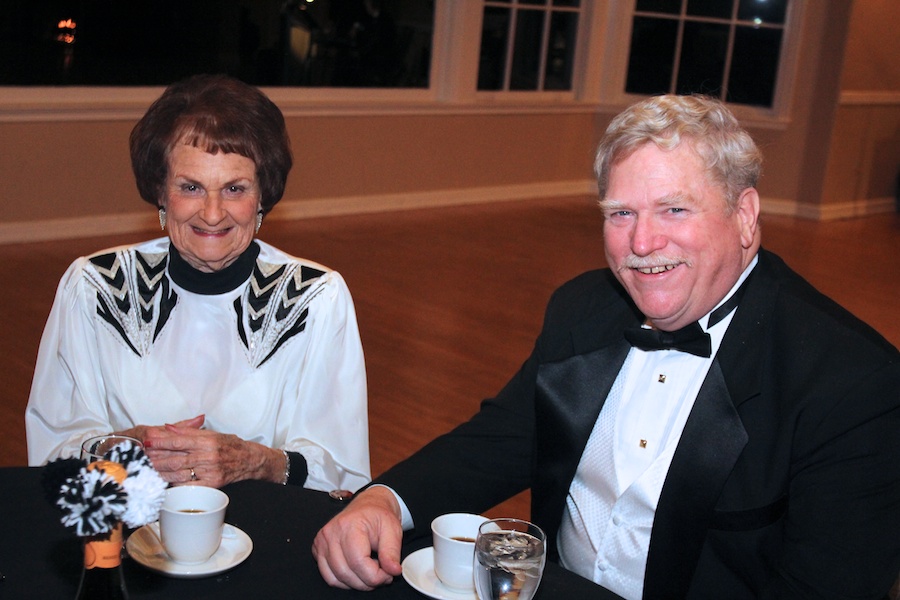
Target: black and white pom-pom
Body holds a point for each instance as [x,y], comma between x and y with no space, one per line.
[55,474]
[146,491]
[128,455]
[143,485]
[92,502]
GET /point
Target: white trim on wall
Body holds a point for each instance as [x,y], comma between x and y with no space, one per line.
[146,221]
[827,212]
[287,210]
[869,98]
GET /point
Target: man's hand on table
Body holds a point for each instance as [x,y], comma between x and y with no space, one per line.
[344,547]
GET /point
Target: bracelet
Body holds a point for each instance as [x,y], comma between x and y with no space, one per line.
[287,467]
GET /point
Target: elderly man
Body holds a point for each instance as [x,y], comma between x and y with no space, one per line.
[695,421]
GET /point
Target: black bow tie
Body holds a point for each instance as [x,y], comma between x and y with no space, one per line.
[690,338]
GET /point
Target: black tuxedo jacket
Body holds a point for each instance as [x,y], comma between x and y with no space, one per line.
[786,480]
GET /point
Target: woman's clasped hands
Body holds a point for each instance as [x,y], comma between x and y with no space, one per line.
[186,453]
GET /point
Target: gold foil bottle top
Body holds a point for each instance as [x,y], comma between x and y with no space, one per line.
[113,469]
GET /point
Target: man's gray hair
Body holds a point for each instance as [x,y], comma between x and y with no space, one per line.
[730,155]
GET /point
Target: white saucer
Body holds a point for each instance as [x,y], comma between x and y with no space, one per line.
[143,545]
[418,571]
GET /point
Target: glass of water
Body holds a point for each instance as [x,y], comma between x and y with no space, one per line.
[97,448]
[509,559]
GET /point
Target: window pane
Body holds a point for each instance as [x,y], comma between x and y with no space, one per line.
[767,11]
[754,66]
[702,62]
[561,51]
[672,7]
[264,42]
[720,9]
[492,60]
[573,3]
[652,56]
[527,50]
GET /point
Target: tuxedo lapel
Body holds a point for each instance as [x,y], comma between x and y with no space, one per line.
[743,353]
[710,445]
[569,396]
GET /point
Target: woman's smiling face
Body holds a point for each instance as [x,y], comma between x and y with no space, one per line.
[211,205]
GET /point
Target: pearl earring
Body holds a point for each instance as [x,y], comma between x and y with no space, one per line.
[259,218]
[162,219]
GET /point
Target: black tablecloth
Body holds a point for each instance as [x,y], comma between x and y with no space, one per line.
[40,559]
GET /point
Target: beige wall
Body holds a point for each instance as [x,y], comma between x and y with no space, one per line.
[873,55]
[349,156]
[64,170]
[864,158]
[829,159]
[81,170]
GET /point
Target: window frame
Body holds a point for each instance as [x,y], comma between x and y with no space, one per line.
[778,116]
[547,10]
[598,81]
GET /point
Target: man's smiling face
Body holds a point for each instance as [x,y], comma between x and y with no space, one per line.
[669,236]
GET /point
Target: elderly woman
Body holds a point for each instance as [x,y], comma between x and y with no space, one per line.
[227,357]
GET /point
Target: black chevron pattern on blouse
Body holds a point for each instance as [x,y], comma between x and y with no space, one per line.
[240,319]
[110,269]
[152,279]
[104,312]
[296,328]
[152,285]
[292,292]
[261,289]
[309,273]
[148,282]
[166,303]
[261,302]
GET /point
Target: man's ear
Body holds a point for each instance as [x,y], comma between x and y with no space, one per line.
[747,212]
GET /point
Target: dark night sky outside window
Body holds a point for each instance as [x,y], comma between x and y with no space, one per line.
[494,32]
[652,43]
[725,48]
[333,43]
[702,58]
[526,53]
[561,51]
[544,36]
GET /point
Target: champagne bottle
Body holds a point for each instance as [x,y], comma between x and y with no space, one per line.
[102,577]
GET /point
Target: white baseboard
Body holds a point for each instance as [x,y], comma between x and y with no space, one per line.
[146,221]
[827,212]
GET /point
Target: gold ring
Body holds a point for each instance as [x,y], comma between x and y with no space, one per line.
[193,475]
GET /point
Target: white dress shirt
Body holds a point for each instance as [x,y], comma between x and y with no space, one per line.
[605,531]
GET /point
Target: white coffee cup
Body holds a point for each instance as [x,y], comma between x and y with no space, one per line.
[190,522]
[453,537]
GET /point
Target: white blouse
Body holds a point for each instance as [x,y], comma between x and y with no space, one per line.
[273,357]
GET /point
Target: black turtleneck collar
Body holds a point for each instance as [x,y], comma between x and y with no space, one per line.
[218,282]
